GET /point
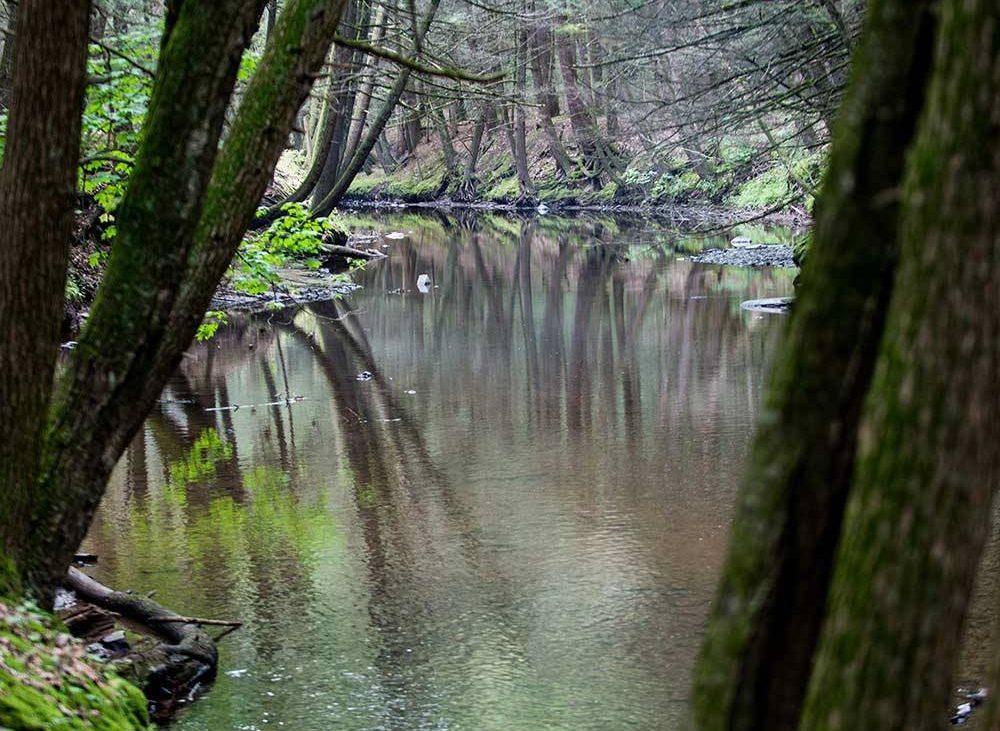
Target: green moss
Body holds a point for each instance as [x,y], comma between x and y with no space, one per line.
[608,192]
[765,190]
[558,193]
[676,185]
[47,681]
[365,184]
[505,190]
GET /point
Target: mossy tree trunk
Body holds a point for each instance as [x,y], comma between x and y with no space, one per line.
[37,198]
[928,463]
[897,422]
[185,212]
[763,628]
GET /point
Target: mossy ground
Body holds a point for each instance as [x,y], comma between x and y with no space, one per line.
[47,681]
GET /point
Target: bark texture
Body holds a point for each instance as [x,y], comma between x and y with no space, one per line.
[927,469]
[762,632]
[37,197]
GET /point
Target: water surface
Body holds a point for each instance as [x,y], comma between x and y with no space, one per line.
[516,523]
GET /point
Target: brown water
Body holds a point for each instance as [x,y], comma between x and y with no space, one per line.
[516,524]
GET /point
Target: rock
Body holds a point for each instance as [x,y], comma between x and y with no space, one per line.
[424,283]
[775,255]
[742,242]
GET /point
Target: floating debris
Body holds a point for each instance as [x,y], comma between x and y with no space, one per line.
[365,376]
[424,283]
[964,710]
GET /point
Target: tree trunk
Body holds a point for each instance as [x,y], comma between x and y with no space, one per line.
[375,129]
[539,51]
[163,268]
[272,17]
[8,19]
[341,106]
[467,189]
[920,504]
[37,195]
[518,130]
[758,649]
[365,88]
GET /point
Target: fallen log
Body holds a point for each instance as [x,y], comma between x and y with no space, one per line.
[198,620]
[349,252]
[174,668]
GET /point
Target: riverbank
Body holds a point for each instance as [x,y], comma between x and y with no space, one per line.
[48,680]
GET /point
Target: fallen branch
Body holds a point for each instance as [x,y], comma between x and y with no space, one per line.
[350,252]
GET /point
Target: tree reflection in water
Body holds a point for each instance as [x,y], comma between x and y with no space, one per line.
[529,540]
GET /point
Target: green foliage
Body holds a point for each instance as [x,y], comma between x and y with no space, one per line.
[296,235]
[765,190]
[364,184]
[210,324]
[673,186]
[47,680]
[73,292]
[114,113]
[3,134]
[423,186]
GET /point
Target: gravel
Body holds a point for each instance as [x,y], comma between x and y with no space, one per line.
[772,255]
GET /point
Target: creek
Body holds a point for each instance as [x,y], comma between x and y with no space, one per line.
[516,523]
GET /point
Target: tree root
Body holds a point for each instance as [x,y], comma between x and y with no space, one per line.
[176,667]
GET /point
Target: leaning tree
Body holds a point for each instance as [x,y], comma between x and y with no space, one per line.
[188,204]
[867,498]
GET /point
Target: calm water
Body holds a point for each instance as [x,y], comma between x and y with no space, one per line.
[516,524]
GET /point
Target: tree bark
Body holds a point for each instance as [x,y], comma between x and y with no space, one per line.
[144,317]
[928,466]
[8,19]
[761,635]
[37,197]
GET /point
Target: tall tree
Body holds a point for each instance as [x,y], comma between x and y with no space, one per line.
[37,199]
[921,489]
[185,212]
